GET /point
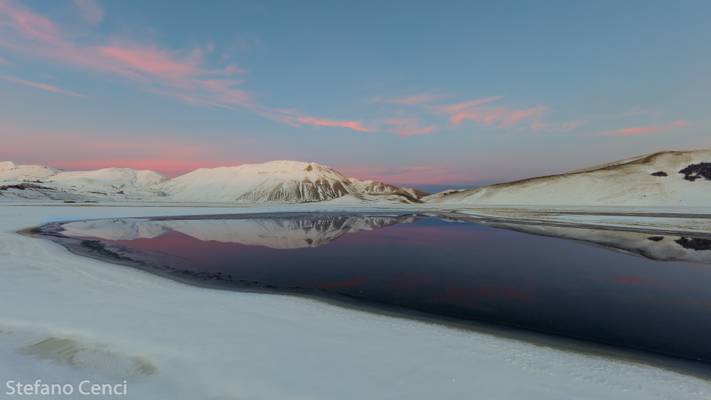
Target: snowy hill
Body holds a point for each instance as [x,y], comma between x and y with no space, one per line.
[107,180]
[275,181]
[10,172]
[36,182]
[670,178]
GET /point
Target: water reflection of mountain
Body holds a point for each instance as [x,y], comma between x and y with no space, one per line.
[287,232]
[302,231]
[650,245]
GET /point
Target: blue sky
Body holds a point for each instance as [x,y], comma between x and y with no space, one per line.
[407,92]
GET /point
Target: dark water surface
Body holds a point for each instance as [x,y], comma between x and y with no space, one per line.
[630,289]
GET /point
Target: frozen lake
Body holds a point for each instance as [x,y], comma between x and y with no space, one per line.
[630,289]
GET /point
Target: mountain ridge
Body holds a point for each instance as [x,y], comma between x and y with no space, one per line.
[664,178]
[274,181]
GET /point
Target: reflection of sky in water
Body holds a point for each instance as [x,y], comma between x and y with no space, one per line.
[462,270]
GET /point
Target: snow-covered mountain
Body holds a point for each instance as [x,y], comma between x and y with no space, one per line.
[275,181]
[280,181]
[287,181]
[670,178]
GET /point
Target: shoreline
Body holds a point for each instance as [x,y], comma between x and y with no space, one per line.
[233,338]
[79,247]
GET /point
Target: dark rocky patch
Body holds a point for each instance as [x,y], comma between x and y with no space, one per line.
[697,171]
[23,186]
[656,238]
[659,173]
[694,243]
[99,248]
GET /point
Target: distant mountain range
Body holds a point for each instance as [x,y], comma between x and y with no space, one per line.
[670,178]
[275,181]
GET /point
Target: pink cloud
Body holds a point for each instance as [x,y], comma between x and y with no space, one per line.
[3,61]
[182,76]
[478,111]
[502,117]
[556,127]
[29,23]
[409,126]
[422,98]
[354,125]
[634,131]
[455,108]
[153,61]
[90,10]
[646,130]
[41,86]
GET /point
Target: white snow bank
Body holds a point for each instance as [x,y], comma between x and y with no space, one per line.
[211,344]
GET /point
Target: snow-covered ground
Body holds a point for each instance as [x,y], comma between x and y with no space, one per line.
[67,318]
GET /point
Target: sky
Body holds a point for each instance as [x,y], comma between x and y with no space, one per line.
[421,93]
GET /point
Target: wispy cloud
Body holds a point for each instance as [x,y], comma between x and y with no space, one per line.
[354,125]
[3,61]
[481,111]
[647,129]
[637,111]
[153,61]
[28,23]
[41,86]
[90,10]
[478,111]
[557,127]
[408,126]
[183,76]
[453,109]
[484,112]
[416,99]
[502,117]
